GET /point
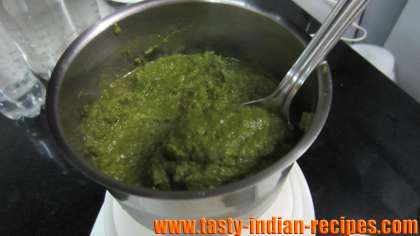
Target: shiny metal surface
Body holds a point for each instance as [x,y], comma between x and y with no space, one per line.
[341,17]
[231,28]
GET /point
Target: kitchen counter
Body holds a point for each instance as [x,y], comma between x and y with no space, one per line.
[363,165]
[39,195]
[365,162]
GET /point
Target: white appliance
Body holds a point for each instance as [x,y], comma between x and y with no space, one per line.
[293,202]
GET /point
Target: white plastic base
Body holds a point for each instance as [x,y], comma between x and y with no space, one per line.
[293,202]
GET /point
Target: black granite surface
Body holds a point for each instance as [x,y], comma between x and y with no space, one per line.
[38,195]
[364,164]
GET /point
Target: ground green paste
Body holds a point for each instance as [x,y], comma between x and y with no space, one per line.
[177,123]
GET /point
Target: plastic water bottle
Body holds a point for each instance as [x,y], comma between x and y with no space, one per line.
[42,29]
[105,8]
[21,93]
[83,13]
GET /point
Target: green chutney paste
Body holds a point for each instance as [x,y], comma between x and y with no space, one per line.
[178,123]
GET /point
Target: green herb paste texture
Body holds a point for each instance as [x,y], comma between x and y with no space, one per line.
[177,123]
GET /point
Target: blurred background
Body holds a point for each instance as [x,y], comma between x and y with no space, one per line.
[391,42]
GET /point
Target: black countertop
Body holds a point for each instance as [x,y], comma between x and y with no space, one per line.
[38,195]
[363,165]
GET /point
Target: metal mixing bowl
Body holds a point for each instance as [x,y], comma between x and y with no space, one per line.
[231,28]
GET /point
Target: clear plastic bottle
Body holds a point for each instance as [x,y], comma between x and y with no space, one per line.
[83,13]
[42,29]
[21,93]
[105,8]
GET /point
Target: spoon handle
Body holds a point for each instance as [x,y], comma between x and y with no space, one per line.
[341,17]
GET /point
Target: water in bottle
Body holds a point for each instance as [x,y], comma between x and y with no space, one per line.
[42,29]
[83,13]
[105,8]
[21,93]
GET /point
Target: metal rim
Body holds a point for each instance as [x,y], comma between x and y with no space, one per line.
[321,112]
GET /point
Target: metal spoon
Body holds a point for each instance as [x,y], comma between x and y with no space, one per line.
[340,18]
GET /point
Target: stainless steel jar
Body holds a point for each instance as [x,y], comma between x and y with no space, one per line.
[231,28]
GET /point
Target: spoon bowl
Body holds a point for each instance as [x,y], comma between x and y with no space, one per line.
[341,17]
